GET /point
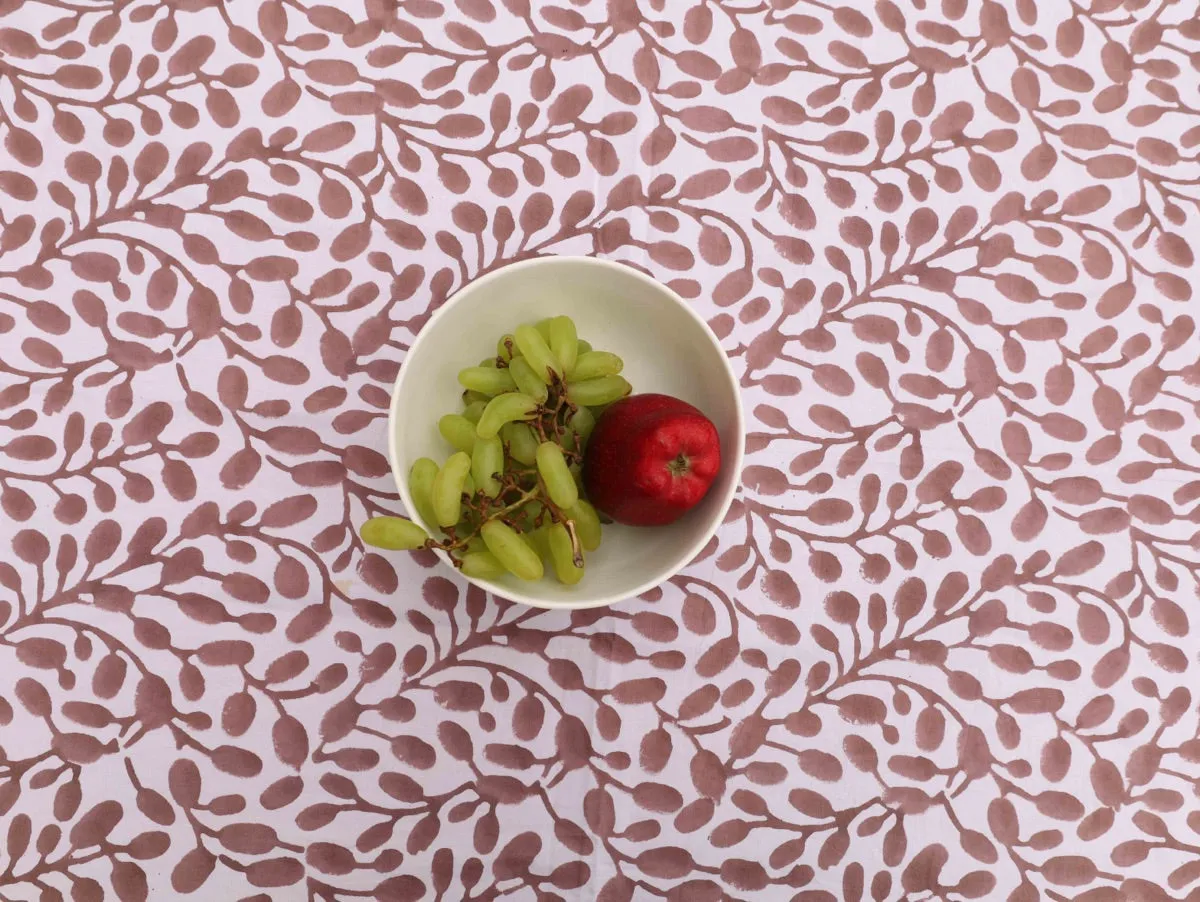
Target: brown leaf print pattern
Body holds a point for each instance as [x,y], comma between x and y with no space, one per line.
[941,647]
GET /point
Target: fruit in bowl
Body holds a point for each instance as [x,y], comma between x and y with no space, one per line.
[651,459]
[544,418]
[667,348]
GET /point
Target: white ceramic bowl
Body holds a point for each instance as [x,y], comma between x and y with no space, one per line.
[667,348]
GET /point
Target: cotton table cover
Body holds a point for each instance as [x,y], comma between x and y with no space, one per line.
[941,646]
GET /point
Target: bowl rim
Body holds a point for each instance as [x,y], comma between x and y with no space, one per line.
[734,460]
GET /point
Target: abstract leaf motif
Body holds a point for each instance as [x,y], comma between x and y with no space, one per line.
[973,422]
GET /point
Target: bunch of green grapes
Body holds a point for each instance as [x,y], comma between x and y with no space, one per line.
[508,499]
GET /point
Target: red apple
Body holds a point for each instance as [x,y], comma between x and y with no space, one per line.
[650,459]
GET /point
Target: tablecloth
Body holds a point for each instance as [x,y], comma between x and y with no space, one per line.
[941,646]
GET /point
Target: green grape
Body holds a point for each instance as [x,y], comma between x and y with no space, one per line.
[476,543]
[552,467]
[525,520]
[503,409]
[489,363]
[486,381]
[393,533]
[512,550]
[564,342]
[536,352]
[595,392]
[458,431]
[527,382]
[469,485]
[448,489]
[522,443]
[506,347]
[587,524]
[594,364]
[543,326]
[474,410]
[537,540]
[470,397]
[582,423]
[420,485]
[487,460]
[482,565]
[584,346]
[562,556]
[532,510]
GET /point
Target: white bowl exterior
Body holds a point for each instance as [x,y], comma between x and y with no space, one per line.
[667,348]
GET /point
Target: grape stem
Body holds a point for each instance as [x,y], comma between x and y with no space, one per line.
[553,416]
[557,515]
[576,550]
[550,421]
[486,513]
[526,496]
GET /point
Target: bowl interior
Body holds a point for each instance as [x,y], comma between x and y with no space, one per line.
[666,347]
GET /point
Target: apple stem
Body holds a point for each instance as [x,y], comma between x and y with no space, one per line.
[679,465]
